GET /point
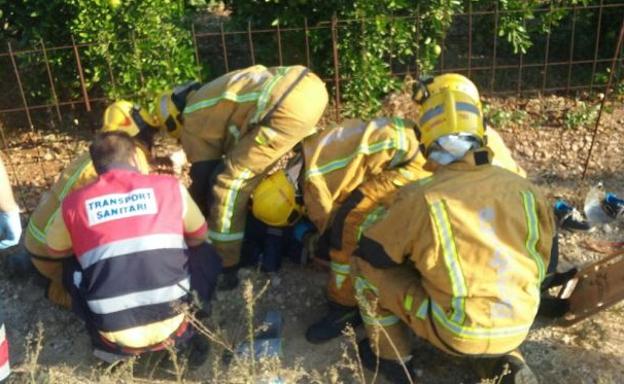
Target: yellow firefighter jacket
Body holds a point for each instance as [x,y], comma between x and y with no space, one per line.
[249,118]
[338,160]
[480,237]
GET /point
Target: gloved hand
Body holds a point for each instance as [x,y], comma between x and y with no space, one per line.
[302,228]
[10,229]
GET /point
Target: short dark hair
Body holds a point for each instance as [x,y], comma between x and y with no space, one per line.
[108,148]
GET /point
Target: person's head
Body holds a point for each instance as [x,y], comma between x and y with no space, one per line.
[169,106]
[126,117]
[450,119]
[114,148]
[274,201]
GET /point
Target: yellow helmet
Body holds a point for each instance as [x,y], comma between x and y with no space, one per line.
[124,116]
[169,114]
[449,105]
[274,202]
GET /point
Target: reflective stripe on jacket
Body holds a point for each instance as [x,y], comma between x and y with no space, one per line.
[339,159]
[480,237]
[127,232]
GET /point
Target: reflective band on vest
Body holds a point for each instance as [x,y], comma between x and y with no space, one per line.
[231,96]
[132,245]
[139,299]
[451,259]
[530,211]
[340,268]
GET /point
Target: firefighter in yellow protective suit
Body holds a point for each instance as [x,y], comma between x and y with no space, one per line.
[121,115]
[457,258]
[347,171]
[233,129]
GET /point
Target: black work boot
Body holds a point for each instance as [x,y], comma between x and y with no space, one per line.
[333,323]
[509,369]
[392,370]
[228,279]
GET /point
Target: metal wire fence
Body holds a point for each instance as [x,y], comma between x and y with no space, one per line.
[573,56]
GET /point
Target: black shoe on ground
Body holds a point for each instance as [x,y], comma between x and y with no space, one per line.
[392,370]
[508,369]
[228,280]
[334,322]
[570,218]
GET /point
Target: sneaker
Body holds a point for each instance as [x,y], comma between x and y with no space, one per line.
[332,325]
[228,280]
[569,217]
[508,369]
[392,370]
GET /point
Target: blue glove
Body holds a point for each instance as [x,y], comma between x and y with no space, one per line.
[10,229]
[301,228]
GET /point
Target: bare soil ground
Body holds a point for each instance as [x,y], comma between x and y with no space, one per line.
[553,155]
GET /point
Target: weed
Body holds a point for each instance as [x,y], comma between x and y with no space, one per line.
[581,115]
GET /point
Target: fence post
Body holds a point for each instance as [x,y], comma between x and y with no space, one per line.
[469,39]
[252,52]
[546,55]
[194,35]
[334,35]
[279,45]
[596,45]
[519,87]
[225,53]
[571,57]
[109,63]
[493,73]
[616,56]
[26,109]
[51,80]
[85,95]
[306,31]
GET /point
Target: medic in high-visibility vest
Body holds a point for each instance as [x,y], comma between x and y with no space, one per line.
[119,116]
[347,171]
[233,129]
[456,258]
[140,250]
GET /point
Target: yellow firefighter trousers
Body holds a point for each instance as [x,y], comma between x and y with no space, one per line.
[393,302]
[356,213]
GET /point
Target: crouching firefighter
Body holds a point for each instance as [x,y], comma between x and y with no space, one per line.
[140,250]
[233,129]
[120,116]
[347,171]
[457,258]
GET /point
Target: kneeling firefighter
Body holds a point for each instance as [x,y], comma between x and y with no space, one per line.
[457,258]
